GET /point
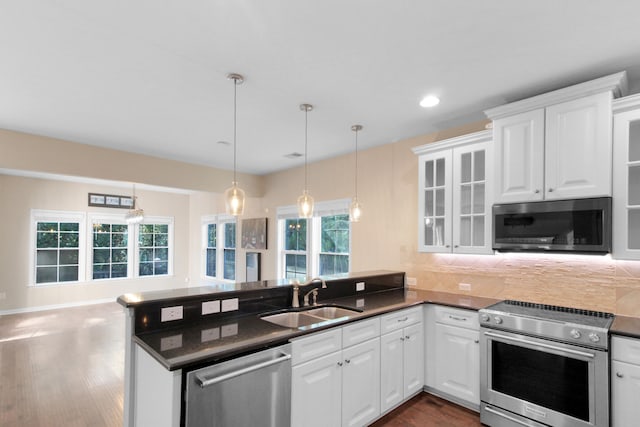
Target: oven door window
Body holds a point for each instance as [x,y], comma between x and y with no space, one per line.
[555,382]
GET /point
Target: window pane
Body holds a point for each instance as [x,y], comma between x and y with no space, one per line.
[47,257]
[101,256]
[46,274]
[334,264]
[634,141]
[161,240]
[119,240]
[119,270]
[69,256]
[68,240]
[440,202]
[119,255]
[101,271]
[146,269]
[69,226]
[634,229]
[211,262]
[440,172]
[146,255]
[428,202]
[211,235]
[465,199]
[47,240]
[146,240]
[295,266]
[68,274]
[146,228]
[161,254]
[160,267]
[465,231]
[428,174]
[48,226]
[160,228]
[295,235]
[229,264]
[230,235]
[438,232]
[634,188]
[478,231]
[478,198]
[101,240]
[335,233]
[119,228]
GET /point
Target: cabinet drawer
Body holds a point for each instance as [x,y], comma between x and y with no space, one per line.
[625,349]
[360,332]
[457,317]
[316,345]
[400,319]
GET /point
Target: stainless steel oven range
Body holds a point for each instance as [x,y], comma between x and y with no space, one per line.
[543,365]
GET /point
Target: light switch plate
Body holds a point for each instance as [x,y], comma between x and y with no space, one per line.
[209,307]
[168,314]
[230,304]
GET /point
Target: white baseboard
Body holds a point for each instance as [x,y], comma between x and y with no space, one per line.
[56,306]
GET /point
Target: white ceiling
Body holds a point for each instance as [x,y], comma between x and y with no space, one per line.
[149,76]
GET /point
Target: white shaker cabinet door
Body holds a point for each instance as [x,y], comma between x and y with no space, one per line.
[360,384]
[391,369]
[519,157]
[625,394]
[413,359]
[578,148]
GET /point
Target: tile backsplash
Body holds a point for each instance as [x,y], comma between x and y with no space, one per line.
[583,281]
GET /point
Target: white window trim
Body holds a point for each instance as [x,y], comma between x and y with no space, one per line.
[222,220]
[324,208]
[40,215]
[136,262]
[219,220]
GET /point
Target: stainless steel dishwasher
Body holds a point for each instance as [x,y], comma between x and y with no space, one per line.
[251,391]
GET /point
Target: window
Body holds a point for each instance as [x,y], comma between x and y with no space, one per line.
[211,250]
[334,246]
[295,248]
[314,246]
[230,250]
[153,249]
[219,247]
[110,250]
[58,242]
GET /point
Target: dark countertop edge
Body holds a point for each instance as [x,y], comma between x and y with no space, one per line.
[625,326]
[180,294]
[421,297]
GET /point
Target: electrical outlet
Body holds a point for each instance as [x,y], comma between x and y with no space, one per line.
[230,304]
[359,286]
[464,286]
[209,307]
[168,314]
[411,281]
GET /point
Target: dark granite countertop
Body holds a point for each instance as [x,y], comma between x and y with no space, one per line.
[211,341]
[625,325]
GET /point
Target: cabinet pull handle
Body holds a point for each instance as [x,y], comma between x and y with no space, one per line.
[347,360]
[460,319]
[401,338]
[403,319]
[455,246]
[339,363]
[407,337]
[619,375]
[550,190]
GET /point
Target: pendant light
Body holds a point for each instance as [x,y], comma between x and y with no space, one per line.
[355,209]
[234,196]
[135,214]
[305,202]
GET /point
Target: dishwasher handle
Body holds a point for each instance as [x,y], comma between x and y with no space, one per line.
[205,382]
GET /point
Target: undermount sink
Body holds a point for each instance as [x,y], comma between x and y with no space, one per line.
[310,317]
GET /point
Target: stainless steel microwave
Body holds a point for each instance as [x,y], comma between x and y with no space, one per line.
[574,226]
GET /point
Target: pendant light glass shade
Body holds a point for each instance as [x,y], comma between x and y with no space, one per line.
[135,215]
[305,202]
[355,209]
[234,195]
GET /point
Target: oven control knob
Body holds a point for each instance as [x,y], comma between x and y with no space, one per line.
[594,337]
[575,333]
[485,317]
[498,319]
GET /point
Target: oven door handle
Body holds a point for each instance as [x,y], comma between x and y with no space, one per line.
[544,345]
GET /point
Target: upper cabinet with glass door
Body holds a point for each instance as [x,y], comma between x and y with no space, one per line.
[454,202]
[626,178]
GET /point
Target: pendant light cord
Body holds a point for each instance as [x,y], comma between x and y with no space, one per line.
[235,113]
[356,164]
[306,113]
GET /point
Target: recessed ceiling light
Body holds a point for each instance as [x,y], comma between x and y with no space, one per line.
[429,101]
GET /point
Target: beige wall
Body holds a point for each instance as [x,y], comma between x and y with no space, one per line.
[386,238]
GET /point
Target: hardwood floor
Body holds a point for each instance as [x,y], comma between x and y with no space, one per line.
[65,368]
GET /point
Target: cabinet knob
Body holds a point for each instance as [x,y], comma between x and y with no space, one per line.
[476,341]
[401,338]
[339,363]
[537,191]
[347,360]
[619,375]
[456,246]
[407,337]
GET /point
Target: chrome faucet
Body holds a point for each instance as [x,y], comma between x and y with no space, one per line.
[313,292]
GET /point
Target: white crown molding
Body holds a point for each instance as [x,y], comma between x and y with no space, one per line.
[457,141]
[615,83]
[630,102]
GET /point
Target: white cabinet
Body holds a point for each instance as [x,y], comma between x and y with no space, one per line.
[454,199]
[401,357]
[453,354]
[625,381]
[333,386]
[626,178]
[557,145]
